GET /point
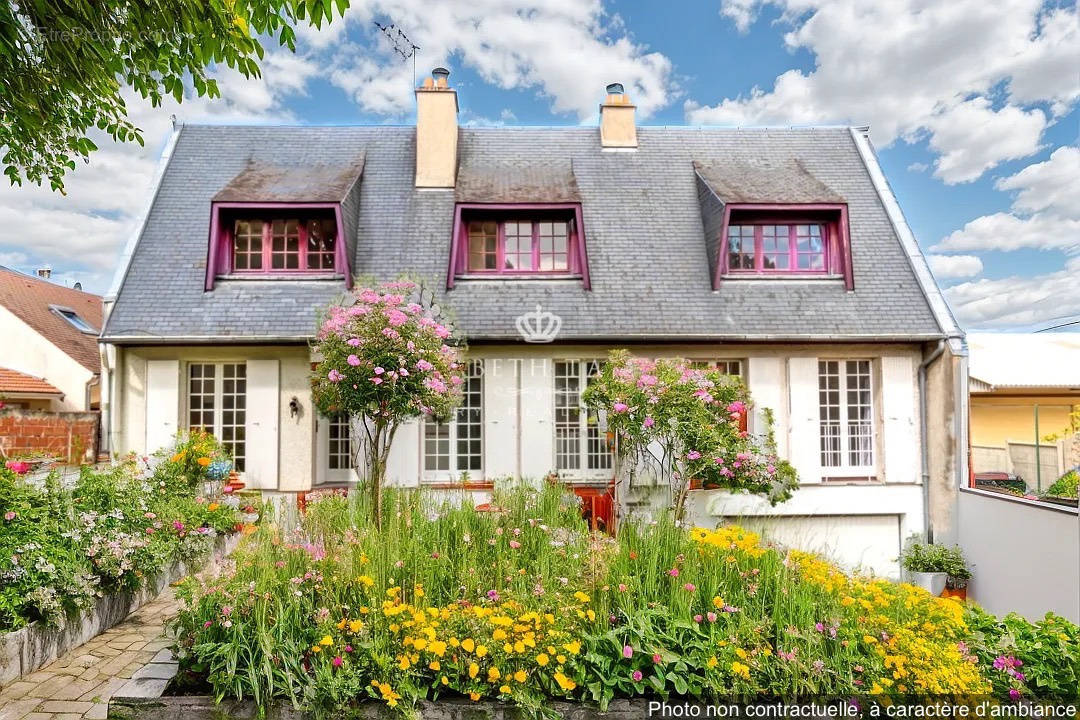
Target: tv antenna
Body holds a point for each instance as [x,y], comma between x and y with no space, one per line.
[400,43]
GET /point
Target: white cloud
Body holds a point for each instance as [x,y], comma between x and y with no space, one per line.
[912,68]
[1005,231]
[566,50]
[1053,185]
[954,266]
[1018,300]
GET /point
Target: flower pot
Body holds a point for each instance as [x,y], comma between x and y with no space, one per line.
[958,593]
[932,582]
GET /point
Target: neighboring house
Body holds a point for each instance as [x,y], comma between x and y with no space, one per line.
[49,357]
[1024,388]
[779,254]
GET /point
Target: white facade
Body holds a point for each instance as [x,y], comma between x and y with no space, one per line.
[26,350]
[522,420]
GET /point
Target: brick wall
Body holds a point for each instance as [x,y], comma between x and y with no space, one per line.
[71,437]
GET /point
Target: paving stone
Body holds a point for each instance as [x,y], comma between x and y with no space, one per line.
[143,688]
[64,688]
[65,706]
[163,655]
[103,691]
[67,716]
[100,711]
[16,690]
[162,671]
[18,709]
[38,716]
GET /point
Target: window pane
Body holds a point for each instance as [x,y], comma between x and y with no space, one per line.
[568,415]
[518,252]
[320,243]
[341,446]
[470,419]
[775,247]
[741,247]
[810,247]
[829,409]
[247,245]
[598,453]
[554,246]
[860,445]
[483,245]
[201,396]
[285,245]
[234,401]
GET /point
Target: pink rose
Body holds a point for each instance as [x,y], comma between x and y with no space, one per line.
[620,407]
[353,360]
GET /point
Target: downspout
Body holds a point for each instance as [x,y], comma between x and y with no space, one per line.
[95,380]
[924,423]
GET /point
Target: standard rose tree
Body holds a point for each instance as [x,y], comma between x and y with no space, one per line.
[685,423]
[385,359]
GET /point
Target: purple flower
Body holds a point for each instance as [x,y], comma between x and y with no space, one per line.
[711,616]
[337,661]
[649,422]
[636,676]
[620,407]
[353,342]
[627,652]
[493,595]
[353,360]
[334,376]
[1014,694]
[693,455]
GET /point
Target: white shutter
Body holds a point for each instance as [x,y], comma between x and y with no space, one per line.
[804,438]
[162,403]
[403,461]
[900,441]
[536,439]
[261,430]
[501,416]
[765,380]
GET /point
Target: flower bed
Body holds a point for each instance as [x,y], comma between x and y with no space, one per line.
[114,531]
[523,605]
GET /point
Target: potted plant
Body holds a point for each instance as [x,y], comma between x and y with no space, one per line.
[958,574]
[926,566]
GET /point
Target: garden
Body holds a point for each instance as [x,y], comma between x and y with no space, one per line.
[62,547]
[522,604]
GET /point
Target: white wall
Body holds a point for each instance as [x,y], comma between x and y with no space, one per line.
[1025,554]
[25,350]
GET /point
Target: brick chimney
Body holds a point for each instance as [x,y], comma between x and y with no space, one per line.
[617,128]
[436,132]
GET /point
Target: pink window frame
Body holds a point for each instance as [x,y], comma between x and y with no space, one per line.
[832,217]
[219,252]
[502,213]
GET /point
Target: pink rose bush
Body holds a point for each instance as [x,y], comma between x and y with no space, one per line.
[685,423]
[385,359]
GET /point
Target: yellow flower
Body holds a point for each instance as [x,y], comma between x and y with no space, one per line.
[474,696]
[212,507]
[741,670]
[560,659]
[520,676]
[542,659]
[508,648]
[493,674]
[564,682]
[327,640]
[499,634]
[481,650]
[581,597]
[341,624]
[316,649]
[519,647]
[741,653]
[591,614]
[437,647]
[718,602]
[468,645]
[366,580]
[712,662]
[355,625]
[573,647]
[403,663]
[444,680]
[434,665]
[504,689]
[473,670]
[177,457]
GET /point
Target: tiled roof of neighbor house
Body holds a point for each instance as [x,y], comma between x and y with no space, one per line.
[642,217]
[31,299]
[14,383]
[1004,360]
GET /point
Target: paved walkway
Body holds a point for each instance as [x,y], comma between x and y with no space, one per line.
[80,683]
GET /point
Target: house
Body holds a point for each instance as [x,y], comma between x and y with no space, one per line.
[780,254]
[49,359]
[1024,389]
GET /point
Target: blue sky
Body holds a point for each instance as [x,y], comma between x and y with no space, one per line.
[974,111]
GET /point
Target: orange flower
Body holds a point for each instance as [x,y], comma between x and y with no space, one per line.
[248,529]
[203,461]
[212,507]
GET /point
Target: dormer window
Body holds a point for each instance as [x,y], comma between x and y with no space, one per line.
[74,319]
[532,242]
[784,241]
[298,241]
[283,244]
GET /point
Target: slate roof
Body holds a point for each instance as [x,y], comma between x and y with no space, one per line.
[14,384]
[520,182]
[30,299]
[769,180]
[263,182]
[642,217]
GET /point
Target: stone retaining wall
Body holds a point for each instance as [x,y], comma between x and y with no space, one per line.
[27,649]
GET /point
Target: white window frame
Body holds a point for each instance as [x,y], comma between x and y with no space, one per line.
[846,468]
[453,472]
[715,363]
[583,473]
[219,409]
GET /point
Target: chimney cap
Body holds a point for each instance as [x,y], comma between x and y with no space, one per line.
[440,73]
[615,89]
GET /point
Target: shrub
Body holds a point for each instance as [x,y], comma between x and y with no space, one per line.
[685,424]
[523,604]
[385,359]
[1065,486]
[918,557]
[1025,658]
[61,548]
